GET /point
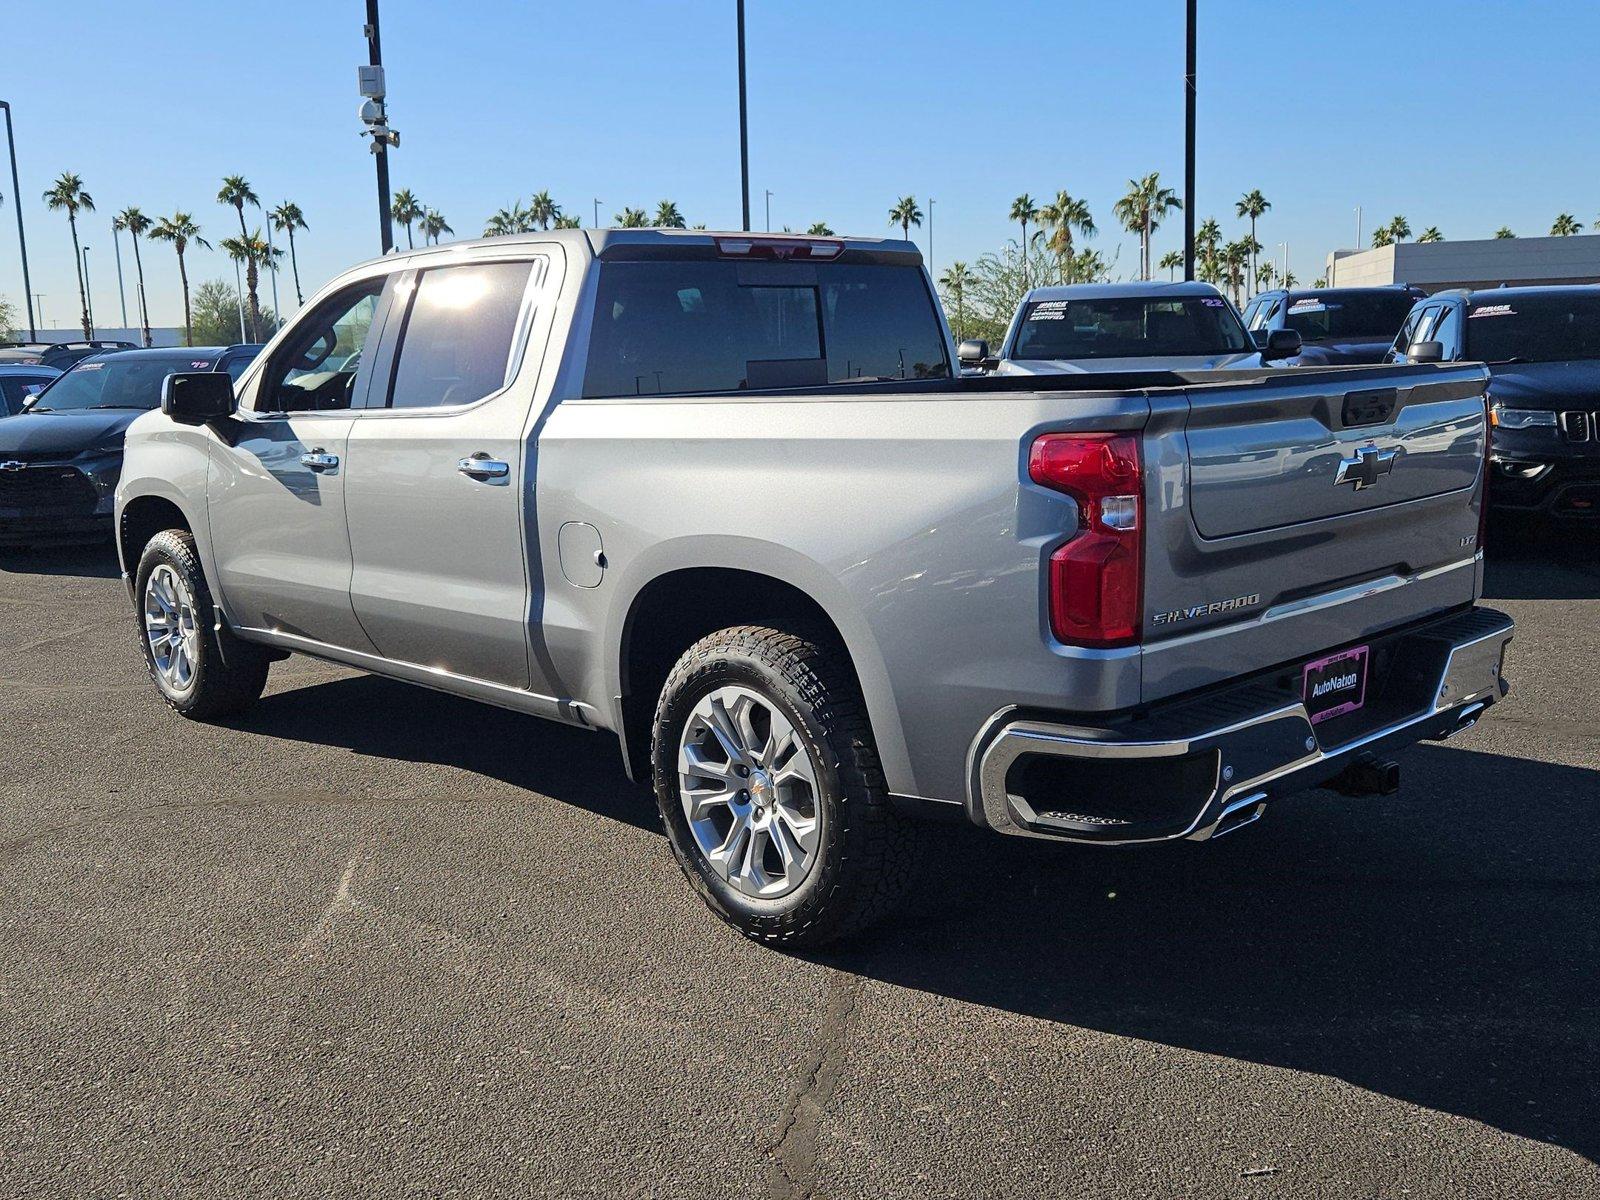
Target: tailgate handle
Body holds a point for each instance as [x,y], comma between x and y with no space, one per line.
[1371,407]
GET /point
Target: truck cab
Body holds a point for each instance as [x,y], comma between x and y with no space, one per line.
[1337,326]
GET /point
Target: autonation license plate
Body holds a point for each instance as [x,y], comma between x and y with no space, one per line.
[1335,685]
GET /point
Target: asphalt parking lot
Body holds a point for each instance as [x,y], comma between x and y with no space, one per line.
[378,940]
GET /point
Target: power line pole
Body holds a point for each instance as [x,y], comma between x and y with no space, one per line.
[22,238]
[1188,144]
[744,125]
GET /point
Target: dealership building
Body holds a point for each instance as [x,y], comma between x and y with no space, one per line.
[1477,264]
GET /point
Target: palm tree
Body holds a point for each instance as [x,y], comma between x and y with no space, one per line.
[632,218]
[820,229]
[668,216]
[1399,228]
[237,192]
[1023,210]
[1565,226]
[253,252]
[1206,241]
[1503,233]
[1143,209]
[955,281]
[1265,274]
[1170,262]
[1382,236]
[1430,234]
[67,194]
[1252,205]
[1063,215]
[136,223]
[515,219]
[543,209]
[1290,279]
[905,214]
[565,222]
[1235,260]
[405,209]
[180,230]
[433,226]
[288,217]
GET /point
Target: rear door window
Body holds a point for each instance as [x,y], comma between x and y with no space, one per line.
[698,326]
[460,331]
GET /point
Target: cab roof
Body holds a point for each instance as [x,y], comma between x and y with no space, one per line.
[1154,289]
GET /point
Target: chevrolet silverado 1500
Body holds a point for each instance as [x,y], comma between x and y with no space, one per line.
[727,497]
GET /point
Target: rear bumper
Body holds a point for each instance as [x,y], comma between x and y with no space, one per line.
[1212,761]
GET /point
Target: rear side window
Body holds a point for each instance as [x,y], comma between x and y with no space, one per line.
[459,334]
[664,327]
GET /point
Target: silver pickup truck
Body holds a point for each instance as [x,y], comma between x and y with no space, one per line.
[728,498]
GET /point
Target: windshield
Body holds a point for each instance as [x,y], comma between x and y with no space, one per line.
[114,382]
[1370,315]
[1548,328]
[1128,327]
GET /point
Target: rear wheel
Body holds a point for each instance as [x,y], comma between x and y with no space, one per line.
[201,671]
[770,789]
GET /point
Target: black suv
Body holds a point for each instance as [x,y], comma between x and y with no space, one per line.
[1542,347]
[1337,326]
[61,457]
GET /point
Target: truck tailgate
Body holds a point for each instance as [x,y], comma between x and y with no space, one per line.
[1293,513]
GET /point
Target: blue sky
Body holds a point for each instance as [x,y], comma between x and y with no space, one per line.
[1462,115]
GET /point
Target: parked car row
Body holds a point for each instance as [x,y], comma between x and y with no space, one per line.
[61,449]
[729,499]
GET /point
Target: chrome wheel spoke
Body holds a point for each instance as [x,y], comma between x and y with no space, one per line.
[170,628]
[748,788]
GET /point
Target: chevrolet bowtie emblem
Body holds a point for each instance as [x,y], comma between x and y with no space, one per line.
[12,465]
[1365,467]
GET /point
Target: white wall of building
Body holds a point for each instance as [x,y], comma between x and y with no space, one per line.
[1480,264]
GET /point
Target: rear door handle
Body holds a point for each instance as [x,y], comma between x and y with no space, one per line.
[319,460]
[481,466]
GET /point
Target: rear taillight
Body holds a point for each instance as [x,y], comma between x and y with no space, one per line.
[781,249]
[1096,578]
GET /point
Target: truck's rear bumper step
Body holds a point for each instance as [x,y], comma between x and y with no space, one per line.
[1209,764]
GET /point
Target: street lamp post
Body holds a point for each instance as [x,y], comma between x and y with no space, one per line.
[597,212]
[376,119]
[238,287]
[744,125]
[1188,144]
[769,210]
[88,293]
[930,235]
[22,238]
[272,265]
[122,292]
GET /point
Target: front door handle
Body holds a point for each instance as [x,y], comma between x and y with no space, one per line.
[319,460]
[481,466]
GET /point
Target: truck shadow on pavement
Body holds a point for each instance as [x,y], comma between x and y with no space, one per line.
[1440,948]
[97,560]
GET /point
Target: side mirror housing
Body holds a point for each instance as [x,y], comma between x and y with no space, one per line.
[1259,337]
[1425,352]
[1280,344]
[974,352]
[197,397]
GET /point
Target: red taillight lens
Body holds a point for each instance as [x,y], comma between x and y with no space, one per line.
[1096,579]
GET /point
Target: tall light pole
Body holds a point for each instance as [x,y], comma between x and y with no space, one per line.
[1188,144]
[22,238]
[744,125]
[769,210]
[122,293]
[597,212]
[1358,228]
[88,293]
[930,235]
[376,119]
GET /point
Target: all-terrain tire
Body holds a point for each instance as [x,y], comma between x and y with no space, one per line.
[225,675]
[866,853]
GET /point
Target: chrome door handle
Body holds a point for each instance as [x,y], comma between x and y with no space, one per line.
[483,467]
[319,460]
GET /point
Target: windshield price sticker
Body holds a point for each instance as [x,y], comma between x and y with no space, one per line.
[1308,306]
[198,364]
[1492,310]
[91,366]
[1211,302]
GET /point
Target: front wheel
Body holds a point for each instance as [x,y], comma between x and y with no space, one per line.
[770,789]
[200,670]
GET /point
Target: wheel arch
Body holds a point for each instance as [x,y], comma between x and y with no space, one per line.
[676,598]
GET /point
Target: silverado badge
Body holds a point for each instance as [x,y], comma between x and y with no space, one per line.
[1205,610]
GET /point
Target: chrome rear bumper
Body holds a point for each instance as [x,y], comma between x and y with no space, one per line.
[1228,752]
